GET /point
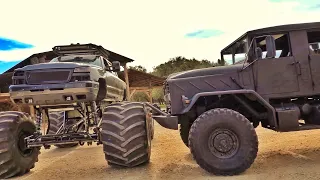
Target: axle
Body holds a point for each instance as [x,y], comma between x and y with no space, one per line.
[37,140]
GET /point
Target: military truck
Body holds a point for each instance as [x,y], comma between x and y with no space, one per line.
[84,101]
[273,82]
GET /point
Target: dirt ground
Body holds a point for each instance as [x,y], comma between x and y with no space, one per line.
[294,155]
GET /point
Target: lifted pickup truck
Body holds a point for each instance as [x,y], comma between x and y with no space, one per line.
[84,99]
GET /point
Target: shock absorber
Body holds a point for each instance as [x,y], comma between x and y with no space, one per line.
[38,120]
[94,111]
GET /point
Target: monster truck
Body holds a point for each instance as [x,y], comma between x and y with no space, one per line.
[84,101]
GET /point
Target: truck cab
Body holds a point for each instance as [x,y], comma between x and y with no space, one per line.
[288,75]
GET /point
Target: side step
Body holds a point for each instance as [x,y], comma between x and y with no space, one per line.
[303,127]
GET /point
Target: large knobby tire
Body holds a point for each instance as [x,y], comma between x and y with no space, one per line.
[184,132]
[126,134]
[15,157]
[223,142]
[56,120]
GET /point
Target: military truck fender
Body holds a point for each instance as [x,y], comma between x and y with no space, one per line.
[102,93]
[249,93]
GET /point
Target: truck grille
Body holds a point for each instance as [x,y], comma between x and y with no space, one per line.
[48,76]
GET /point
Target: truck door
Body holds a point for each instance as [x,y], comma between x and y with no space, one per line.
[275,75]
[112,82]
[314,57]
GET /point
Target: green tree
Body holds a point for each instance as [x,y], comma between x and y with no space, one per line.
[174,65]
[138,68]
[180,63]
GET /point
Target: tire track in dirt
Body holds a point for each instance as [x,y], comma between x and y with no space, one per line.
[292,155]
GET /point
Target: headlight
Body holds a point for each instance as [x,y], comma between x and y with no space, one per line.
[81,69]
[18,73]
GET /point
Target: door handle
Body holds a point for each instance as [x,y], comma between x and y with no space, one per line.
[298,67]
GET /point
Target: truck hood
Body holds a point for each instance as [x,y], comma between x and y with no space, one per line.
[207,71]
[58,65]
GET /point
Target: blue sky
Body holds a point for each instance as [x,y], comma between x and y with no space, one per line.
[10,45]
[149,32]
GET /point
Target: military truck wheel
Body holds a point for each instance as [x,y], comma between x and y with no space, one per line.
[56,120]
[15,157]
[223,142]
[126,134]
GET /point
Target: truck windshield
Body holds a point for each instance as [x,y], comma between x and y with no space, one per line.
[237,52]
[83,59]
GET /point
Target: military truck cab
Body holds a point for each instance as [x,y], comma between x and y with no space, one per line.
[285,76]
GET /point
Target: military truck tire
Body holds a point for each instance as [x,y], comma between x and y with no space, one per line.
[16,158]
[223,142]
[126,134]
[56,120]
[184,132]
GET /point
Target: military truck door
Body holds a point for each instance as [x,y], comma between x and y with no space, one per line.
[275,75]
[314,57]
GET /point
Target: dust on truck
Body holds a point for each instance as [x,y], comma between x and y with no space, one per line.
[273,82]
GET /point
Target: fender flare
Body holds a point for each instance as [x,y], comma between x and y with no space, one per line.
[102,93]
[271,110]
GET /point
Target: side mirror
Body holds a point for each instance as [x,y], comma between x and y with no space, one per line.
[315,46]
[258,53]
[116,66]
[271,47]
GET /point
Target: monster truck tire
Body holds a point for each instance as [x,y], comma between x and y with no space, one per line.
[126,134]
[152,128]
[15,157]
[223,142]
[56,120]
[184,132]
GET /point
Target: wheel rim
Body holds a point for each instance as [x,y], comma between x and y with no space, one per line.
[223,143]
[22,146]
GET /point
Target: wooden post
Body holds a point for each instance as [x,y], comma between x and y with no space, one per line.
[132,93]
[150,95]
[150,90]
[127,81]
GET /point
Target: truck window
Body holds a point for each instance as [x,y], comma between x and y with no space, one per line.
[83,59]
[282,45]
[314,42]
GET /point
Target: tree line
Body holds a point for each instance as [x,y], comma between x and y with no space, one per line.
[174,65]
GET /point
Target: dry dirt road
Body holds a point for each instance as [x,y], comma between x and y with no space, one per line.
[294,155]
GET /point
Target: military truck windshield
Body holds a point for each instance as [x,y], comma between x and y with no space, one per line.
[238,50]
[236,53]
[83,59]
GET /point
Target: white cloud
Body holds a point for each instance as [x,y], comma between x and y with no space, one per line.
[150,32]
